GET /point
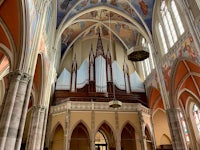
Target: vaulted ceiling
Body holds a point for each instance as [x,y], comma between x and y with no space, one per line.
[121,20]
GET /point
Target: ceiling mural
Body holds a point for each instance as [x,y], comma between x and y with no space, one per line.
[87,24]
[143,7]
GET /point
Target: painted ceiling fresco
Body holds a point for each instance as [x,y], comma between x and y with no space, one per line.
[88,22]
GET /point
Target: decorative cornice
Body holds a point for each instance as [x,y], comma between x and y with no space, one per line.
[98,106]
[39,108]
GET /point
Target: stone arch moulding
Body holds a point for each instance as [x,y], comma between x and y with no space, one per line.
[108,124]
[175,83]
[54,129]
[132,124]
[6,51]
[63,25]
[76,124]
[184,97]
[158,109]
[166,137]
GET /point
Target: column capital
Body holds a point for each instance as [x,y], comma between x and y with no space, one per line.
[15,74]
[26,77]
[39,107]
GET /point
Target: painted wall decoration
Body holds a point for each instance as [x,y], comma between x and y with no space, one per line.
[123,30]
[186,49]
[143,7]
[33,19]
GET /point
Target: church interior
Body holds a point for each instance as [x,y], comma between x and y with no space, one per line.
[99,74]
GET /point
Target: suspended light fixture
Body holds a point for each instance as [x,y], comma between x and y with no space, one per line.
[138,53]
[113,103]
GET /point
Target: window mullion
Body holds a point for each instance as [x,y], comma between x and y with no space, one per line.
[163,39]
[176,17]
[167,30]
[171,26]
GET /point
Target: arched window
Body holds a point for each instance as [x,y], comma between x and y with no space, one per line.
[147,66]
[162,38]
[151,57]
[177,17]
[185,130]
[196,114]
[168,24]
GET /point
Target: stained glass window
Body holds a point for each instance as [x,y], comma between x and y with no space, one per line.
[196,114]
[185,130]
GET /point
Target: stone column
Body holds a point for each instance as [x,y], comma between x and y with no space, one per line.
[12,111]
[118,136]
[23,117]
[67,123]
[178,141]
[92,140]
[153,134]
[3,103]
[36,129]
[142,129]
[44,129]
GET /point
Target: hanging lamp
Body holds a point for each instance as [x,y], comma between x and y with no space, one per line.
[138,53]
[114,103]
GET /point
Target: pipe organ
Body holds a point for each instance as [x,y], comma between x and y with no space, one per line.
[96,79]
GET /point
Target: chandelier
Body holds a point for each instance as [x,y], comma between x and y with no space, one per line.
[114,103]
[138,53]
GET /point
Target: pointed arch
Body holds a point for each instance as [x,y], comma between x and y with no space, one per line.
[185,77]
[80,138]
[133,125]
[76,124]
[159,119]
[190,100]
[128,137]
[106,128]
[6,52]
[58,138]
[53,130]
[155,99]
[158,109]
[184,96]
[63,25]
[40,79]
[104,122]
[165,140]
